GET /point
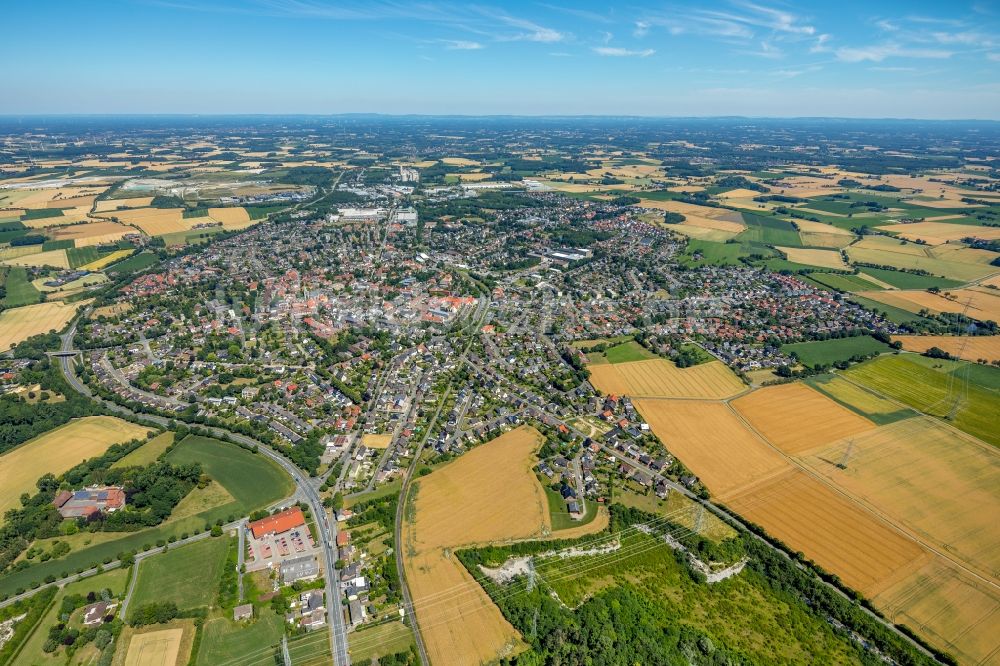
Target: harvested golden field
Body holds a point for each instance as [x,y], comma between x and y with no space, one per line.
[822,258]
[712,441]
[460,161]
[694,210]
[106,260]
[883,250]
[825,240]
[154,221]
[373,441]
[937,233]
[54,258]
[703,229]
[115,204]
[739,193]
[110,310]
[962,253]
[156,648]
[795,418]
[92,233]
[69,287]
[976,302]
[18,251]
[938,483]
[836,533]
[474,177]
[659,378]
[57,451]
[951,608]
[19,324]
[231,218]
[490,494]
[969,348]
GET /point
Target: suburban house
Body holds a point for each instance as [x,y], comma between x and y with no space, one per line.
[94,614]
[280,522]
[89,502]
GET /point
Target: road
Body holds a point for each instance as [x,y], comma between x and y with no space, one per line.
[305,490]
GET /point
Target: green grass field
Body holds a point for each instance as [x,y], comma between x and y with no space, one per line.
[134,264]
[939,388]
[902,280]
[58,245]
[253,480]
[628,351]
[379,641]
[721,254]
[20,291]
[78,256]
[825,352]
[40,213]
[226,642]
[770,231]
[187,575]
[312,649]
[148,452]
[843,282]
[875,408]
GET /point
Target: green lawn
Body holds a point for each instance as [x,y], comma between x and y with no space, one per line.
[226,642]
[148,452]
[939,388]
[628,351]
[379,641]
[826,352]
[253,480]
[187,575]
[20,291]
[721,254]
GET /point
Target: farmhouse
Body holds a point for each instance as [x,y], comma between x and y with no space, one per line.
[278,523]
[89,502]
[244,612]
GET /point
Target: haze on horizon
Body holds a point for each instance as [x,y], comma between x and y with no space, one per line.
[732,58]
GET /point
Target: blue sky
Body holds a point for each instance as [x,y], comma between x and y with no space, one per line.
[913,59]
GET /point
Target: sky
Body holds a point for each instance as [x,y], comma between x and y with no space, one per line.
[843,58]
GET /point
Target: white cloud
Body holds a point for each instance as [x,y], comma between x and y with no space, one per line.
[461,45]
[532,32]
[641,29]
[879,52]
[622,53]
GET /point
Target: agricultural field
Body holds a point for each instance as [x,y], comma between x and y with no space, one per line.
[811,257]
[153,221]
[830,529]
[872,406]
[20,291]
[779,412]
[106,260]
[818,234]
[187,575]
[156,645]
[949,607]
[970,348]
[976,302]
[770,231]
[903,280]
[827,352]
[135,263]
[939,233]
[848,283]
[51,258]
[58,450]
[938,388]
[91,233]
[712,441]
[19,324]
[659,378]
[106,205]
[148,452]
[231,218]
[500,499]
[885,251]
[936,481]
